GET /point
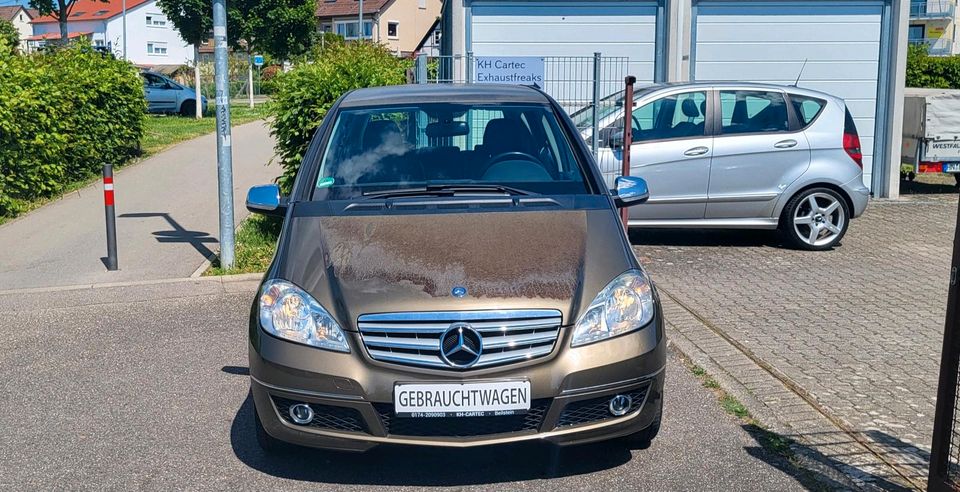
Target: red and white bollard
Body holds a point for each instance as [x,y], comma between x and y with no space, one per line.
[111,217]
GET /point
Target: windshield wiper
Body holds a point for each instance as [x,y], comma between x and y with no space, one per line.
[447,190]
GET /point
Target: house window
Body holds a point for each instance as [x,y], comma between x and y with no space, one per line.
[156,20]
[348,29]
[156,48]
[393,28]
[100,13]
[422,4]
[77,14]
[436,37]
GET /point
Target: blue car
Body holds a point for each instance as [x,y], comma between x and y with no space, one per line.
[166,96]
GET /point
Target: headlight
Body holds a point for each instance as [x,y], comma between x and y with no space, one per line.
[624,305]
[287,312]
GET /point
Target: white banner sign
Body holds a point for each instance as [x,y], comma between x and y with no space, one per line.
[522,70]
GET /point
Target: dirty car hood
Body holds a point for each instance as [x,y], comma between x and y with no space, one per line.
[363,264]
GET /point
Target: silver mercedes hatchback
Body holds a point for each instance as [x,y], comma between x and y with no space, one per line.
[738,155]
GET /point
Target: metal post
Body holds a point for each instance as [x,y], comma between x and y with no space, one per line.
[629,81]
[944,425]
[470,67]
[224,154]
[421,69]
[595,138]
[111,217]
[124,7]
[360,21]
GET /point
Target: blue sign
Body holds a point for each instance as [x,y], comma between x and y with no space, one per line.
[258,60]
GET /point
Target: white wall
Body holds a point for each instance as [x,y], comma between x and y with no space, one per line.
[138,35]
[110,31]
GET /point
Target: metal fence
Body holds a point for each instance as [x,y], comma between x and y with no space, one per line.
[589,88]
[945,451]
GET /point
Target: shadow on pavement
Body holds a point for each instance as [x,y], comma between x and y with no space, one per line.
[179,234]
[419,467]
[921,188]
[816,467]
[705,237]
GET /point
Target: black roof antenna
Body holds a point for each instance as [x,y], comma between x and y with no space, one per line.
[801,71]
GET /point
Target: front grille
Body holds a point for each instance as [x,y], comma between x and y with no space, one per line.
[461,426]
[415,338]
[596,409]
[325,416]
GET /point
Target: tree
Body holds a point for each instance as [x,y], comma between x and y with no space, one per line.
[193,18]
[279,28]
[9,37]
[60,10]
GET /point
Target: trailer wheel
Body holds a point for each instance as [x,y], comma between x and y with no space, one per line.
[911,176]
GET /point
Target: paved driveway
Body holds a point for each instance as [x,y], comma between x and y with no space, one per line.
[146,387]
[859,328]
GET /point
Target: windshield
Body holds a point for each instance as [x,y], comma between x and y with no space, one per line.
[506,149]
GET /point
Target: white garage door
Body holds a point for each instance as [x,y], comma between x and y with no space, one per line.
[768,42]
[565,29]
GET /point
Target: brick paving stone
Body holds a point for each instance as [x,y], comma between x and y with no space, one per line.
[858,328]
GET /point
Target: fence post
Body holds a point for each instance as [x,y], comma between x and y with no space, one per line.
[595,138]
[629,81]
[944,425]
[469,67]
[421,71]
[111,217]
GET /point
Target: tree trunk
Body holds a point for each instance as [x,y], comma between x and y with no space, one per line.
[196,81]
[64,36]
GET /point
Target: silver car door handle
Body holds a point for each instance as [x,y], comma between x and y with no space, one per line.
[696,151]
[785,144]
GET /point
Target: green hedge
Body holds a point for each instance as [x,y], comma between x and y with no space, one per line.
[923,70]
[63,114]
[304,95]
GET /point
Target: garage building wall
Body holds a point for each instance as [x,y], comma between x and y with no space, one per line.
[771,41]
[565,28]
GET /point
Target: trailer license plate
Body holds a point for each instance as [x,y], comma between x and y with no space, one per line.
[951,167]
[462,399]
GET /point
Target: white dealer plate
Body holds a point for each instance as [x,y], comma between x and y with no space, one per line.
[462,399]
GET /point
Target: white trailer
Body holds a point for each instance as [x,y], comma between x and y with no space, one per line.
[931,132]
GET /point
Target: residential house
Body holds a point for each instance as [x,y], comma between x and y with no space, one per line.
[399,24]
[151,39]
[20,17]
[933,24]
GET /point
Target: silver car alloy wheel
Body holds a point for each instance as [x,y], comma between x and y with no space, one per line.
[819,219]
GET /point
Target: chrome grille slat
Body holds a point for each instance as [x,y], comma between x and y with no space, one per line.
[513,356]
[413,359]
[407,343]
[414,338]
[514,340]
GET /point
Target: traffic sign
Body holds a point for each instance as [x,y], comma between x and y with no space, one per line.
[258,60]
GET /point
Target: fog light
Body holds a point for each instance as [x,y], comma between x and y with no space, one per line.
[620,405]
[301,413]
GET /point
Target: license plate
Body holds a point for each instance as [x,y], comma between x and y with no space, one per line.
[951,167]
[462,399]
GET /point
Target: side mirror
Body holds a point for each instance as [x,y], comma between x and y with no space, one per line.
[631,190]
[265,200]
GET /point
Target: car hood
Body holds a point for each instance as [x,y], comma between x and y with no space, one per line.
[364,264]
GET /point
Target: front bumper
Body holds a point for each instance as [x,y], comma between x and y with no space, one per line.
[352,395]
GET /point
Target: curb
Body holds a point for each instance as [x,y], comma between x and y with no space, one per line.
[221,279]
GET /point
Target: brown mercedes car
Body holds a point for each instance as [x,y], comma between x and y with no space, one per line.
[452,271]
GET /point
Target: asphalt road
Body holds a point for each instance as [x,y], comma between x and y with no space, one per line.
[167,218]
[153,394]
